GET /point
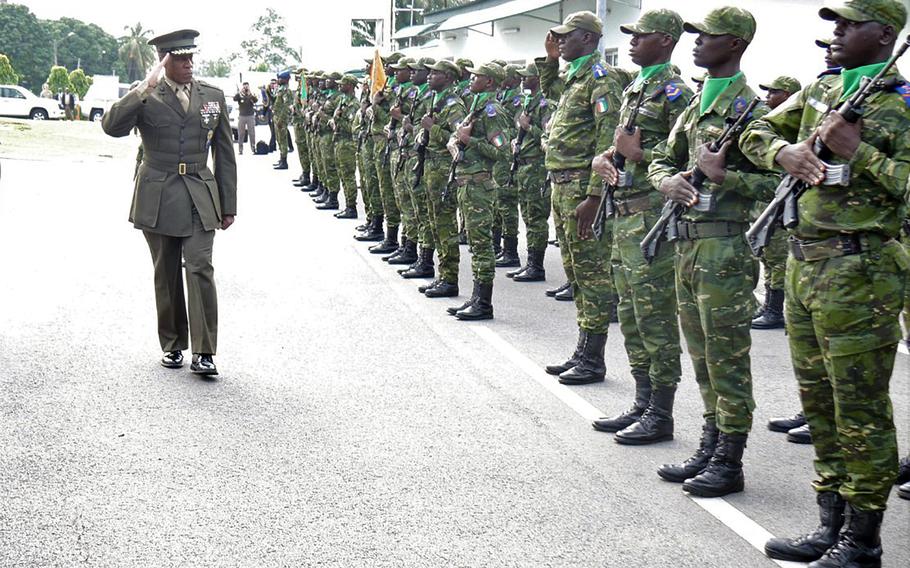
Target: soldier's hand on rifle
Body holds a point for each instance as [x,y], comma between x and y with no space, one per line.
[396,113]
[629,145]
[463,134]
[524,121]
[800,161]
[713,164]
[840,136]
[603,166]
[677,188]
[406,124]
[156,72]
[552,47]
[584,216]
[378,98]
[427,122]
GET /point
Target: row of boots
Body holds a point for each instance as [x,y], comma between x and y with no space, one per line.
[323,197]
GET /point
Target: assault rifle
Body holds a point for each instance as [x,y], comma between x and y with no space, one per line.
[606,208]
[458,154]
[424,142]
[665,227]
[403,139]
[784,208]
[519,140]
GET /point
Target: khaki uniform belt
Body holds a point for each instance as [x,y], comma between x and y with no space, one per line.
[689,231]
[628,207]
[464,180]
[845,244]
[566,176]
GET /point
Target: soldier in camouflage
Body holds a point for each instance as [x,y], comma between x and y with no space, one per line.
[344,146]
[284,106]
[647,291]
[846,278]
[715,269]
[303,153]
[325,114]
[506,219]
[369,181]
[581,127]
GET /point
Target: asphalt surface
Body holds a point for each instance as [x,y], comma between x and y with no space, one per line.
[354,423]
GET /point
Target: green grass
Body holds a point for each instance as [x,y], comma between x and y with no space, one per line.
[79,141]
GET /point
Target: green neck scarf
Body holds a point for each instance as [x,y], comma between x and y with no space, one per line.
[506,95]
[853,77]
[650,71]
[330,92]
[576,64]
[713,88]
[479,98]
[527,98]
[421,89]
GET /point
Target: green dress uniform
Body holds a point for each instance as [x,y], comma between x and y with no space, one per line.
[178,201]
[345,149]
[284,106]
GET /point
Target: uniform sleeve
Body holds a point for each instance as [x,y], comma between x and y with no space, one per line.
[225,168]
[889,172]
[670,157]
[550,83]
[124,114]
[446,122]
[496,128]
[675,108]
[765,137]
[606,104]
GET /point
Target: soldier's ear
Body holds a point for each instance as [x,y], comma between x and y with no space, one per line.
[888,35]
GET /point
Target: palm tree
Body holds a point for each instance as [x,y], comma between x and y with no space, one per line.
[135,52]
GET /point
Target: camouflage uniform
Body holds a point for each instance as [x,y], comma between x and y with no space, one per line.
[345,149]
[369,183]
[507,197]
[324,135]
[531,177]
[417,196]
[378,118]
[409,99]
[842,310]
[303,153]
[312,138]
[284,105]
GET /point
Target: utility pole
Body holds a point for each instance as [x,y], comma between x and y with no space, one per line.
[602,14]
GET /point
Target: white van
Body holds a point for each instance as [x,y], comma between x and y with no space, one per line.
[105,91]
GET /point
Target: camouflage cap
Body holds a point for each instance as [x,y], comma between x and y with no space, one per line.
[403,63]
[824,43]
[783,83]
[492,70]
[529,70]
[392,58]
[422,63]
[349,79]
[334,75]
[725,21]
[446,67]
[464,63]
[501,62]
[512,70]
[583,20]
[887,12]
[656,21]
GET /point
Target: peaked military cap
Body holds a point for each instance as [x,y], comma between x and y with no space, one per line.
[446,67]
[656,21]
[584,20]
[512,70]
[501,62]
[725,21]
[180,42]
[349,79]
[491,70]
[464,63]
[392,58]
[422,63]
[529,70]
[824,43]
[887,12]
[783,83]
[403,63]
[334,75]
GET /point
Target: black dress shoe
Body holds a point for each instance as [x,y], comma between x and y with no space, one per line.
[567,295]
[442,290]
[553,291]
[203,364]
[800,435]
[424,287]
[172,359]
[786,424]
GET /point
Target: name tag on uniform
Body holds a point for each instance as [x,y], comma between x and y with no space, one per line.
[818,105]
[648,112]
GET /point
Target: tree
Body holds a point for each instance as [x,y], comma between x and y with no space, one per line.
[26,42]
[83,46]
[58,80]
[269,46]
[219,67]
[80,82]
[8,75]
[135,53]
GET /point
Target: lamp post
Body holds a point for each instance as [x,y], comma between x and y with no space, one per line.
[56,41]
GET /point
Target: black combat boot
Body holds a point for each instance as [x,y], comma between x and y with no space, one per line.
[390,244]
[859,545]
[724,474]
[677,473]
[809,547]
[761,309]
[424,287]
[320,195]
[561,288]
[904,491]
[373,232]
[903,470]
[282,164]
[303,180]
[801,435]
[786,424]
[408,256]
[313,185]
[656,424]
[573,360]
[497,243]
[347,213]
[534,272]
[567,295]
[517,271]
[509,257]
[442,289]
[629,417]
[331,203]
[482,307]
[462,237]
[591,367]
[455,309]
[403,243]
[423,268]
[772,316]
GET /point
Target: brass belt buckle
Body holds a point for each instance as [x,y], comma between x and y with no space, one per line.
[181,168]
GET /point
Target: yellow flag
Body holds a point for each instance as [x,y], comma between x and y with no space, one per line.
[377,74]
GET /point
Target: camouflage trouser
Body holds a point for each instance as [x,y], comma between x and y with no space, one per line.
[534,197]
[507,208]
[346,164]
[443,216]
[403,197]
[327,153]
[420,203]
[842,321]
[586,262]
[281,136]
[316,155]
[477,200]
[303,150]
[905,238]
[369,183]
[774,260]
[647,301]
[386,189]
[714,282]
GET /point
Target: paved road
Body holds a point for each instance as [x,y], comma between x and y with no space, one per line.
[354,424]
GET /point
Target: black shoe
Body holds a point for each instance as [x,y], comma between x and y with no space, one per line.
[800,435]
[859,544]
[786,424]
[567,295]
[442,290]
[573,360]
[331,203]
[812,546]
[904,491]
[724,474]
[203,364]
[614,312]
[517,271]
[497,243]
[903,470]
[313,185]
[390,244]
[482,307]
[348,213]
[678,473]
[408,254]
[561,288]
[629,417]
[455,309]
[423,268]
[655,425]
[323,196]
[282,164]
[591,367]
[172,359]
[554,242]
[373,233]
[319,194]
[772,316]
[424,287]
[534,271]
[509,257]
[462,238]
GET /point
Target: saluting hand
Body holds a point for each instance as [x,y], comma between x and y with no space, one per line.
[840,136]
[552,47]
[678,188]
[800,161]
[156,71]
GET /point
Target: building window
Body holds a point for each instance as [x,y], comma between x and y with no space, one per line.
[365,33]
[611,56]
